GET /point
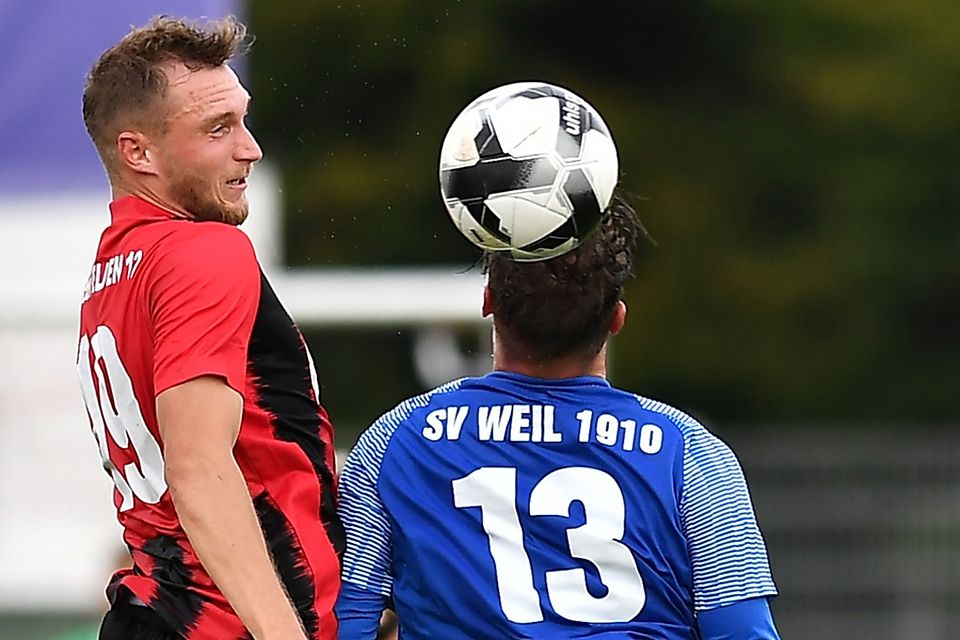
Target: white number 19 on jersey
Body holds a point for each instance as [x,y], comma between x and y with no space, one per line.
[598,541]
[113,408]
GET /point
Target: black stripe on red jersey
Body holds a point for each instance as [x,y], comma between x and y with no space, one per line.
[288,556]
[183,610]
[280,366]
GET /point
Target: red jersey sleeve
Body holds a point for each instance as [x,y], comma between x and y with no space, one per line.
[203,302]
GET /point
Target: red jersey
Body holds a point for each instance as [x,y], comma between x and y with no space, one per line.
[169,300]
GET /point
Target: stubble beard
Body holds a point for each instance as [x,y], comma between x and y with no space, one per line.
[194,195]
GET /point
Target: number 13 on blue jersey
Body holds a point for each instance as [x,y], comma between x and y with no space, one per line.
[598,541]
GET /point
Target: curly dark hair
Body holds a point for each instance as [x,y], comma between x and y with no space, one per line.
[126,85]
[563,306]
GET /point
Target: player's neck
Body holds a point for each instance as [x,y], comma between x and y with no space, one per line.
[552,369]
[121,189]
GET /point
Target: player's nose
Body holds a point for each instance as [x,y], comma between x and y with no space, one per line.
[248,150]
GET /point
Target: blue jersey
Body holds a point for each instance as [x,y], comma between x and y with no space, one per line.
[507,506]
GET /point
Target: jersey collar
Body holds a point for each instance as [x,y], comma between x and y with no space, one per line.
[578,381]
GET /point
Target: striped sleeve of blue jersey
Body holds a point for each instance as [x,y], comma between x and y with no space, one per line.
[366,562]
[727,551]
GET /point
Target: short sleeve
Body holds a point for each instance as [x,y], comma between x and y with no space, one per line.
[203,301]
[368,560]
[368,557]
[727,551]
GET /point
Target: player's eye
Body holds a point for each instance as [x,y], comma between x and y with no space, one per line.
[220,129]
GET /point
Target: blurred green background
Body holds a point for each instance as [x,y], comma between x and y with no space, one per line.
[796,163]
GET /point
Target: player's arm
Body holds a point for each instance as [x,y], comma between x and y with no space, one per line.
[359,612]
[731,574]
[199,421]
[366,579]
[744,620]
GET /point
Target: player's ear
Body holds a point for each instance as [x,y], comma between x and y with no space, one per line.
[487,302]
[133,152]
[619,317]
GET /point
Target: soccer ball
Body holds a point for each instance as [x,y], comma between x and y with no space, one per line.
[528,168]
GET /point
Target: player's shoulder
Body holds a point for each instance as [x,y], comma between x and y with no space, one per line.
[683,422]
[182,244]
[404,412]
[214,236]
[704,453]
[690,429]
[374,441]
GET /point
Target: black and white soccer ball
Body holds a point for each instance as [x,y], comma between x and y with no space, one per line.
[528,168]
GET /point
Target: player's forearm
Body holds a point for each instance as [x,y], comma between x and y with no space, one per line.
[745,620]
[359,612]
[217,514]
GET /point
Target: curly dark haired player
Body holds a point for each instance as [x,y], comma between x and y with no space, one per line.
[538,501]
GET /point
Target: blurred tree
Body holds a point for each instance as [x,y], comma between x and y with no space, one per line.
[796,163]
